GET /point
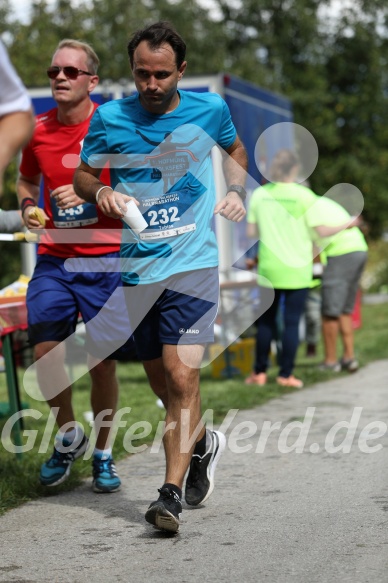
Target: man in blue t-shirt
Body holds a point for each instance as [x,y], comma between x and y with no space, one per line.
[158,145]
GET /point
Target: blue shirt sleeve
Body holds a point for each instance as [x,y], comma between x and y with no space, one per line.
[95,146]
[227,133]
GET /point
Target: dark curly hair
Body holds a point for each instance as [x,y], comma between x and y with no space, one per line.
[156,35]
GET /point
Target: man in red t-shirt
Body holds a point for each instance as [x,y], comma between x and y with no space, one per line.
[77,270]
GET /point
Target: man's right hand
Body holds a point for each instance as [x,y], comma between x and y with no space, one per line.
[34,217]
[113,204]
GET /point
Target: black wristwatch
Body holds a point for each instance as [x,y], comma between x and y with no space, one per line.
[239,189]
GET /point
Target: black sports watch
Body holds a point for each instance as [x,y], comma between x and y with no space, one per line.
[239,189]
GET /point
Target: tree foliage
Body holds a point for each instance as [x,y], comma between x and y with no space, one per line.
[334,69]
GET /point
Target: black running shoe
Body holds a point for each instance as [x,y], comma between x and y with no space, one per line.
[200,479]
[165,512]
[350,365]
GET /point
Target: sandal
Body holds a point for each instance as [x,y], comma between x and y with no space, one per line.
[290,381]
[330,366]
[259,379]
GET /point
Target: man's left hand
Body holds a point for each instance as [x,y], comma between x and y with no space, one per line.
[65,197]
[231,207]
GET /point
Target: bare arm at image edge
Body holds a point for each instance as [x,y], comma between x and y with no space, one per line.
[10,221]
[16,114]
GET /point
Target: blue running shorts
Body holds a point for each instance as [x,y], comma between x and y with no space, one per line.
[57,297]
[178,310]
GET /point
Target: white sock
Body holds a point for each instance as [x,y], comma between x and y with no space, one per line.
[102,454]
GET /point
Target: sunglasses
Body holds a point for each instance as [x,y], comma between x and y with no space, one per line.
[70,72]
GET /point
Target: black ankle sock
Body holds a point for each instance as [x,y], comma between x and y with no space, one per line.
[174,488]
[200,446]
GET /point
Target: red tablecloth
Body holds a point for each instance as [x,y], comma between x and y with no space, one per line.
[13,314]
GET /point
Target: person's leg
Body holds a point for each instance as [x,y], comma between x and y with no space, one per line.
[104,397]
[157,378]
[52,317]
[49,365]
[265,331]
[264,335]
[347,336]
[177,383]
[313,320]
[330,329]
[348,361]
[183,437]
[156,374]
[184,315]
[183,408]
[70,441]
[294,305]
[355,263]
[334,292]
[108,336]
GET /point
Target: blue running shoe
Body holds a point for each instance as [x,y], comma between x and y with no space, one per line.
[57,468]
[105,478]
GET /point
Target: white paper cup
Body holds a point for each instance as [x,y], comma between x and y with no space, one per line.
[134,219]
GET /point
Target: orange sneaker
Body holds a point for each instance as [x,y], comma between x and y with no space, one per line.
[290,381]
[259,379]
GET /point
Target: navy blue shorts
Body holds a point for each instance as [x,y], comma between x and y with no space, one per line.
[178,310]
[56,297]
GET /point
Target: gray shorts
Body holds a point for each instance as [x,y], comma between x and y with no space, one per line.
[340,281]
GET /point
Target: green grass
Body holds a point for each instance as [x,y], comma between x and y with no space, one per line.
[19,476]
